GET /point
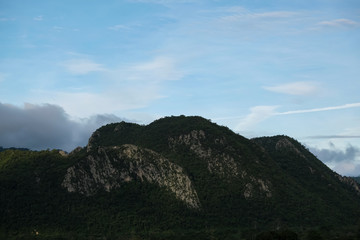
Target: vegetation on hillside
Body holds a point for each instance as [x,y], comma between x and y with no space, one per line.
[278,191]
[357,179]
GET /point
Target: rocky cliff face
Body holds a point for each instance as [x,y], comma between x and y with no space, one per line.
[222,160]
[218,163]
[350,182]
[209,167]
[110,167]
[173,174]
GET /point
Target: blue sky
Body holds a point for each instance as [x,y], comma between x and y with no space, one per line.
[258,67]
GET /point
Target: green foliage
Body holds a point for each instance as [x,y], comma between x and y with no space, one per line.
[277,235]
[314,235]
[311,184]
[304,192]
[357,179]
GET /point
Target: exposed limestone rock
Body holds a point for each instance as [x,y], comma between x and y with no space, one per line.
[264,187]
[63,153]
[93,137]
[76,150]
[258,186]
[285,143]
[351,182]
[92,174]
[128,162]
[219,163]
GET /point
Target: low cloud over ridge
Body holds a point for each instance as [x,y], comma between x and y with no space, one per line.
[46,126]
[344,161]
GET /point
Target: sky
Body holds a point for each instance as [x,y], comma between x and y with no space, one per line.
[261,68]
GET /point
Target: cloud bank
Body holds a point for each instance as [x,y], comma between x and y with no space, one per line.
[344,161]
[46,126]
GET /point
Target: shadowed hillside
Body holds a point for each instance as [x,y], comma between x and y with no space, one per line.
[177,177]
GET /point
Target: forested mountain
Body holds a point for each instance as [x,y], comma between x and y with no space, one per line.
[179,178]
[357,179]
[13,148]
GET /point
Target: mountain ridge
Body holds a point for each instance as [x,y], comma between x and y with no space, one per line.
[175,173]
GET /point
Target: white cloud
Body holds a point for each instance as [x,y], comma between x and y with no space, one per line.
[118,27]
[82,66]
[84,104]
[295,88]
[46,126]
[232,9]
[38,18]
[334,136]
[243,14]
[339,23]
[345,106]
[261,113]
[344,161]
[5,19]
[257,115]
[114,99]
[348,168]
[275,14]
[159,69]
[58,28]
[124,88]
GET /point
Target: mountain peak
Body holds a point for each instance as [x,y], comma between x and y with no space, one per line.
[172,172]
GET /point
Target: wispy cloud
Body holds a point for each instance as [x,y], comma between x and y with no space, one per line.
[5,19]
[82,66]
[275,14]
[333,136]
[117,99]
[127,87]
[261,113]
[243,14]
[58,28]
[118,27]
[158,69]
[295,88]
[343,22]
[257,114]
[38,18]
[345,106]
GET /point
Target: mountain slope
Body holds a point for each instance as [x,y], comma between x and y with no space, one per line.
[357,179]
[310,181]
[272,179]
[109,168]
[176,174]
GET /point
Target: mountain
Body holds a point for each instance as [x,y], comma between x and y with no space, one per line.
[13,148]
[357,179]
[179,178]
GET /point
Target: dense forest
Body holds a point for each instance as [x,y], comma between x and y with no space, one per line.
[263,188]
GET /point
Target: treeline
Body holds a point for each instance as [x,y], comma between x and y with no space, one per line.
[13,148]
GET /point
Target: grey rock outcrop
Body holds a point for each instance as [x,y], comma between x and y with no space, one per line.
[110,167]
